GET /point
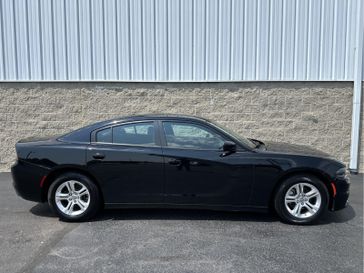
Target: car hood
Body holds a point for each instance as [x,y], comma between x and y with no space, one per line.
[288,148]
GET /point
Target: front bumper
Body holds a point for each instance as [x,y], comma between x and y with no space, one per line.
[341,198]
[26,180]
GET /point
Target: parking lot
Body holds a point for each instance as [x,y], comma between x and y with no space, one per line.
[33,240]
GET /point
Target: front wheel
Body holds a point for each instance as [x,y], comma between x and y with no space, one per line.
[74,197]
[301,199]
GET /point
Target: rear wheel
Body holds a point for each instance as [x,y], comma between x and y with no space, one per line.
[74,197]
[301,199]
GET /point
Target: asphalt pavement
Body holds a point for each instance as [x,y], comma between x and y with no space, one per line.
[32,239]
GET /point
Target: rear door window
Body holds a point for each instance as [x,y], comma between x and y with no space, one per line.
[142,133]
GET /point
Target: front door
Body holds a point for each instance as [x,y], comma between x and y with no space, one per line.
[127,160]
[196,173]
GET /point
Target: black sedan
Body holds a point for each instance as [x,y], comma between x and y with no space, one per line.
[174,161]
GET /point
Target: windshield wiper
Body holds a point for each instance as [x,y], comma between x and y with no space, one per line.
[257,143]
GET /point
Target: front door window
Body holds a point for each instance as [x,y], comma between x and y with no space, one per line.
[191,136]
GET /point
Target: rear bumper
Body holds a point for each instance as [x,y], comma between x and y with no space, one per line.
[341,198]
[27,180]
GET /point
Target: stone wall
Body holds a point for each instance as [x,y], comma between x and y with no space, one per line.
[316,113]
[361,147]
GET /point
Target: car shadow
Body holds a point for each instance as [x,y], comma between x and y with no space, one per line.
[342,216]
[42,210]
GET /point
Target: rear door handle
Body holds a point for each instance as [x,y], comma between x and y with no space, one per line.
[175,162]
[98,156]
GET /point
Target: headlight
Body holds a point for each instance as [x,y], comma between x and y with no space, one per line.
[343,174]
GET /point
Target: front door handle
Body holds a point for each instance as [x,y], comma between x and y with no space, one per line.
[98,156]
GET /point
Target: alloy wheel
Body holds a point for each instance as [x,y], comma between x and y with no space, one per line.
[72,198]
[303,200]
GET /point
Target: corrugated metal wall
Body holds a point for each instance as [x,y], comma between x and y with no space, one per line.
[178,40]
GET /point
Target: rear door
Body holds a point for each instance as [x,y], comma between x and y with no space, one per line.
[197,173]
[127,160]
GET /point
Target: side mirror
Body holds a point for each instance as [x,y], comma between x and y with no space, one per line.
[228,148]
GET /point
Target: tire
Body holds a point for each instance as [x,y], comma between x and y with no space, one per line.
[74,197]
[293,207]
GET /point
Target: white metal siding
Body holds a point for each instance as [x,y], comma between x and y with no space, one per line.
[178,40]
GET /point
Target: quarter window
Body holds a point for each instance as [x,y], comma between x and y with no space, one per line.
[193,136]
[104,136]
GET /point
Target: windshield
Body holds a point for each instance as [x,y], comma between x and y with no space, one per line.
[240,138]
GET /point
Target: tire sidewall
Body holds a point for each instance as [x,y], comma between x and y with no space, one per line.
[94,197]
[286,185]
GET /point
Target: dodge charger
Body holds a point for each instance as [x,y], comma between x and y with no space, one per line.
[175,161]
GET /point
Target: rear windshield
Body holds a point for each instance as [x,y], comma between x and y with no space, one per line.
[80,135]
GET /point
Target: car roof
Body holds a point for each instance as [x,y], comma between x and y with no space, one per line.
[153,117]
[82,134]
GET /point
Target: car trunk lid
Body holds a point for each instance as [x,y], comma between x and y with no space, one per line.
[38,139]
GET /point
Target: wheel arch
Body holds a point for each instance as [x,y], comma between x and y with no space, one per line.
[325,178]
[65,169]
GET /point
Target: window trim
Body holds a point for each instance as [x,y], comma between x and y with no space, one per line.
[164,139]
[157,139]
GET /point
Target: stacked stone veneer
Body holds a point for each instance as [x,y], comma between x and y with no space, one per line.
[361,147]
[317,114]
